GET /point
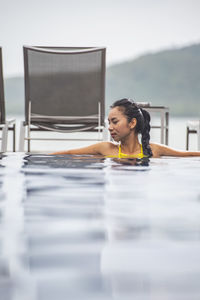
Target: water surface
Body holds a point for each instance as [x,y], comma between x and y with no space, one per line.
[85,227]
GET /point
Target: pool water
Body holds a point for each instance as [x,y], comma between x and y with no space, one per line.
[84,227]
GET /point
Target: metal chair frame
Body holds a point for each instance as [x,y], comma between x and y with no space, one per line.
[29,125]
[194,130]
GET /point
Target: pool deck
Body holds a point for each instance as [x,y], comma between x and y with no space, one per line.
[91,228]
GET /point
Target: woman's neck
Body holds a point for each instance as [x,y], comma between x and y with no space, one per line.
[130,144]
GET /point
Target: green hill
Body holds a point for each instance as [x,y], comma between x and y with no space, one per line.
[170,78]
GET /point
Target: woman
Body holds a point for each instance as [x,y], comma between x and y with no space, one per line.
[127,120]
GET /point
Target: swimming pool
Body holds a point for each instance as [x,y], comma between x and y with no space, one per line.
[75,227]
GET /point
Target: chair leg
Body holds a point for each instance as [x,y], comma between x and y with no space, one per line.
[4,137]
[162,127]
[167,129]
[29,145]
[14,137]
[187,138]
[21,137]
[198,137]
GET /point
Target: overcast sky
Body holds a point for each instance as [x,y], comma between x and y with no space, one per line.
[128,28]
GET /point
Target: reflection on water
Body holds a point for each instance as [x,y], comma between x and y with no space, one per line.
[89,227]
[80,161]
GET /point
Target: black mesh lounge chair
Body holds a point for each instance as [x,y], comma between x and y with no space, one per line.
[5,125]
[64,91]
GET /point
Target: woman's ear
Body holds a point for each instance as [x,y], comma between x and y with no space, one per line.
[133,123]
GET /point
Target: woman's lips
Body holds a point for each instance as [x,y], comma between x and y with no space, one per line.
[113,134]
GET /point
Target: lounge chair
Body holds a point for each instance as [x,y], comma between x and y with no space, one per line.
[193,127]
[5,125]
[64,91]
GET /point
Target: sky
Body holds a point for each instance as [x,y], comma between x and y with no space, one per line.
[128,28]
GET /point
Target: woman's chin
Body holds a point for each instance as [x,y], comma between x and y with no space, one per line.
[115,138]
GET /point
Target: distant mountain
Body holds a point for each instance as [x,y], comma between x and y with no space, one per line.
[170,78]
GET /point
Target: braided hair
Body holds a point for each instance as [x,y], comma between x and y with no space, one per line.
[132,110]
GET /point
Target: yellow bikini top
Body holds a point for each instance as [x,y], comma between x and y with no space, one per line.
[122,155]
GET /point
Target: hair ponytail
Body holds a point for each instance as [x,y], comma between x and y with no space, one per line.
[145,133]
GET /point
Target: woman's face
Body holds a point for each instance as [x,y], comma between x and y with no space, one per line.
[118,124]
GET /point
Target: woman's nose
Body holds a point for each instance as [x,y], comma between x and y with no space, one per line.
[110,127]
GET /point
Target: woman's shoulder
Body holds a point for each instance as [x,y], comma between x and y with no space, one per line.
[106,148]
[154,145]
[155,149]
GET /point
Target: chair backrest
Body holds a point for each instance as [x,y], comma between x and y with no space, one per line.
[64,81]
[2,101]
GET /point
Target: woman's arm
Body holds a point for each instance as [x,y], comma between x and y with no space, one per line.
[99,148]
[162,150]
